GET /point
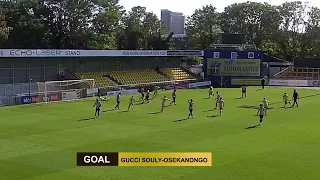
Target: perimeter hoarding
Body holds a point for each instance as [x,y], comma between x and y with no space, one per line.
[233,67]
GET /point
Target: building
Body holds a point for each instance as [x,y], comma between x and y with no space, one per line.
[174,21]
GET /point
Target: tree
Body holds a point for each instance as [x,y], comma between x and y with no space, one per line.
[4,29]
[27,28]
[105,25]
[203,28]
[142,30]
[256,20]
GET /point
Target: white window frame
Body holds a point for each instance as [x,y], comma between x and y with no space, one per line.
[216,55]
[250,55]
[234,55]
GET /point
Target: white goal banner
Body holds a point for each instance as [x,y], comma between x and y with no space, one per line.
[123,92]
[285,82]
[71,95]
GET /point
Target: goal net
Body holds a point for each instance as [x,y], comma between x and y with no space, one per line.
[66,90]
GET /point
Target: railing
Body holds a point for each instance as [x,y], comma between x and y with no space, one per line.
[300,73]
[284,70]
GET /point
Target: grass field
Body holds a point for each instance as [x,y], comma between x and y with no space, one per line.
[40,141]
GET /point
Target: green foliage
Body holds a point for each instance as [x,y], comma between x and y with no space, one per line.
[203,27]
[288,31]
[192,60]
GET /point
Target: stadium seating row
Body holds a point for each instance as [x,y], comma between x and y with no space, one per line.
[99,79]
[299,73]
[177,74]
[135,76]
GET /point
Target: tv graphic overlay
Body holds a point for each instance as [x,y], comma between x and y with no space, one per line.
[144,159]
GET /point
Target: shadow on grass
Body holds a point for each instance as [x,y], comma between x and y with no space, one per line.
[213,116]
[251,127]
[209,97]
[238,98]
[155,112]
[87,119]
[179,120]
[209,110]
[108,110]
[123,111]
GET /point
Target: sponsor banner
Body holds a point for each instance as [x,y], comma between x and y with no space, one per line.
[200,84]
[247,82]
[185,53]
[144,159]
[71,95]
[93,53]
[40,98]
[283,82]
[314,83]
[123,92]
[233,67]
[92,92]
[181,85]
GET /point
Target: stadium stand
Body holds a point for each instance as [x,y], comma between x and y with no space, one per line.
[177,74]
[137,76]
[299,73]
[303,69]
[100,79]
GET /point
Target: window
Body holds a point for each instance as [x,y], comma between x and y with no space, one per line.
[234,55]
[250,55]
[216,54]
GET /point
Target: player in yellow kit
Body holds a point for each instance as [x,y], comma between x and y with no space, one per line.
[155,91]
[265,103]
[164,100]
[210,91]
[131,103]
[221,105]
[285,99]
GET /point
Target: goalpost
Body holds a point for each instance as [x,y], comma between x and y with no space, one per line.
[66,90]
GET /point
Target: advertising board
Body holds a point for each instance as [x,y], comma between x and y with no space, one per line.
[314,83]
[123,92]
[71,95]
[200,84]
[233,67]
[286,82]
[247,82]
[40,98]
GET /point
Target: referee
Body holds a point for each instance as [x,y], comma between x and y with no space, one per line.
[295,98]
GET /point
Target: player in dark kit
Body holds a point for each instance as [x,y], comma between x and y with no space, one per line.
[244,91]
[174,95]
[263,81]
[295,98]
[142,94]
[118,101]
[147,96]
[191,102]
[98,107]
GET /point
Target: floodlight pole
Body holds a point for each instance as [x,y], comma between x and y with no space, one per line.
[30,87]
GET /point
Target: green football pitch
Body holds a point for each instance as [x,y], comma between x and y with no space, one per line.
[41,141]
